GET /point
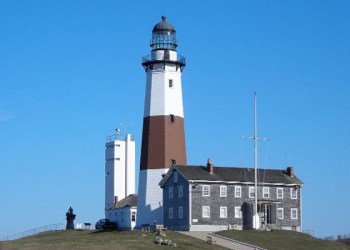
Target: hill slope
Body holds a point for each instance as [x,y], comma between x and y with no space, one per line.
[283,240]
[278,239]
[102,240]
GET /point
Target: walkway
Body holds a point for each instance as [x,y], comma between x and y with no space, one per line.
[231,244]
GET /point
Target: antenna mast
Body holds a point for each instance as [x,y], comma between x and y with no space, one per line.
[256,219]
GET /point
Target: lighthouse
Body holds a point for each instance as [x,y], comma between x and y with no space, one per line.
[163,135]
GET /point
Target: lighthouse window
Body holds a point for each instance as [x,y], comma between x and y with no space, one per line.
[170,83]
[172,118]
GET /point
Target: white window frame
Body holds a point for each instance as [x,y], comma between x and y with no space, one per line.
[181,212]
[293,193]
[181,191]
[266,192]
[223,212]
[238,191]
[223,191]
[175,177]
[280,213]
[171,192]
[206,190]
[206,211]
[171,213]
[250,192]
[291,214]
[238,212]
[279,195]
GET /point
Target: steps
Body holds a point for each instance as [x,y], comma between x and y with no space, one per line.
[220,240]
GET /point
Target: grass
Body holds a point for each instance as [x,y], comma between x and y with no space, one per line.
[103,240]
[277,239]
[283,240]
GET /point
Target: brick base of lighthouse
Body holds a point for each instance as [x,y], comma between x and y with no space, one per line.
[163,140]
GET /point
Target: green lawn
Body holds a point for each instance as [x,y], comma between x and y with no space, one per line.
[103,240]
[66,240]
[282,240]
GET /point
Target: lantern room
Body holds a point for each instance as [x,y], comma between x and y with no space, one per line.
[163,36]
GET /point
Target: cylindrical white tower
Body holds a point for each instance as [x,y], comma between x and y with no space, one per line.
[163,135]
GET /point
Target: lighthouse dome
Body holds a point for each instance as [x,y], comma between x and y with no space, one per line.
[163,25]
[163,36]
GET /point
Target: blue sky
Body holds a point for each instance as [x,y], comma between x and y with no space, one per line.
[70,73]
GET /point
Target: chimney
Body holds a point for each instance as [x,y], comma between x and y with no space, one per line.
[290,171]
[115,200]
[210,167]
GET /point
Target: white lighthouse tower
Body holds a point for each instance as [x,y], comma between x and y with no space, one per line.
[163,135]
[119,169]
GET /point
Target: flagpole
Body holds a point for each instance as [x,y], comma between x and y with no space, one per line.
[256,221]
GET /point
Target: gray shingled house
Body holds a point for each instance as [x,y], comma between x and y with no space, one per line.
[208,198]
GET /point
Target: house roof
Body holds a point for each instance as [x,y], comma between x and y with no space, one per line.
[129,201]
[233,174]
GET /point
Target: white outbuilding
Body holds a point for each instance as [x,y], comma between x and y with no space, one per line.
[124,213]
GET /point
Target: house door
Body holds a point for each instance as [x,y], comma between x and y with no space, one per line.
[267,213]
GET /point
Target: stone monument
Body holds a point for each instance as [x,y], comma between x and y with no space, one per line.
[70,217]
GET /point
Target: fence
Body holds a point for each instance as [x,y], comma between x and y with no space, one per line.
[34,231]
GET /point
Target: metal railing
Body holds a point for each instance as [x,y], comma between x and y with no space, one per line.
[118,137]
[34,231]
[152,58]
